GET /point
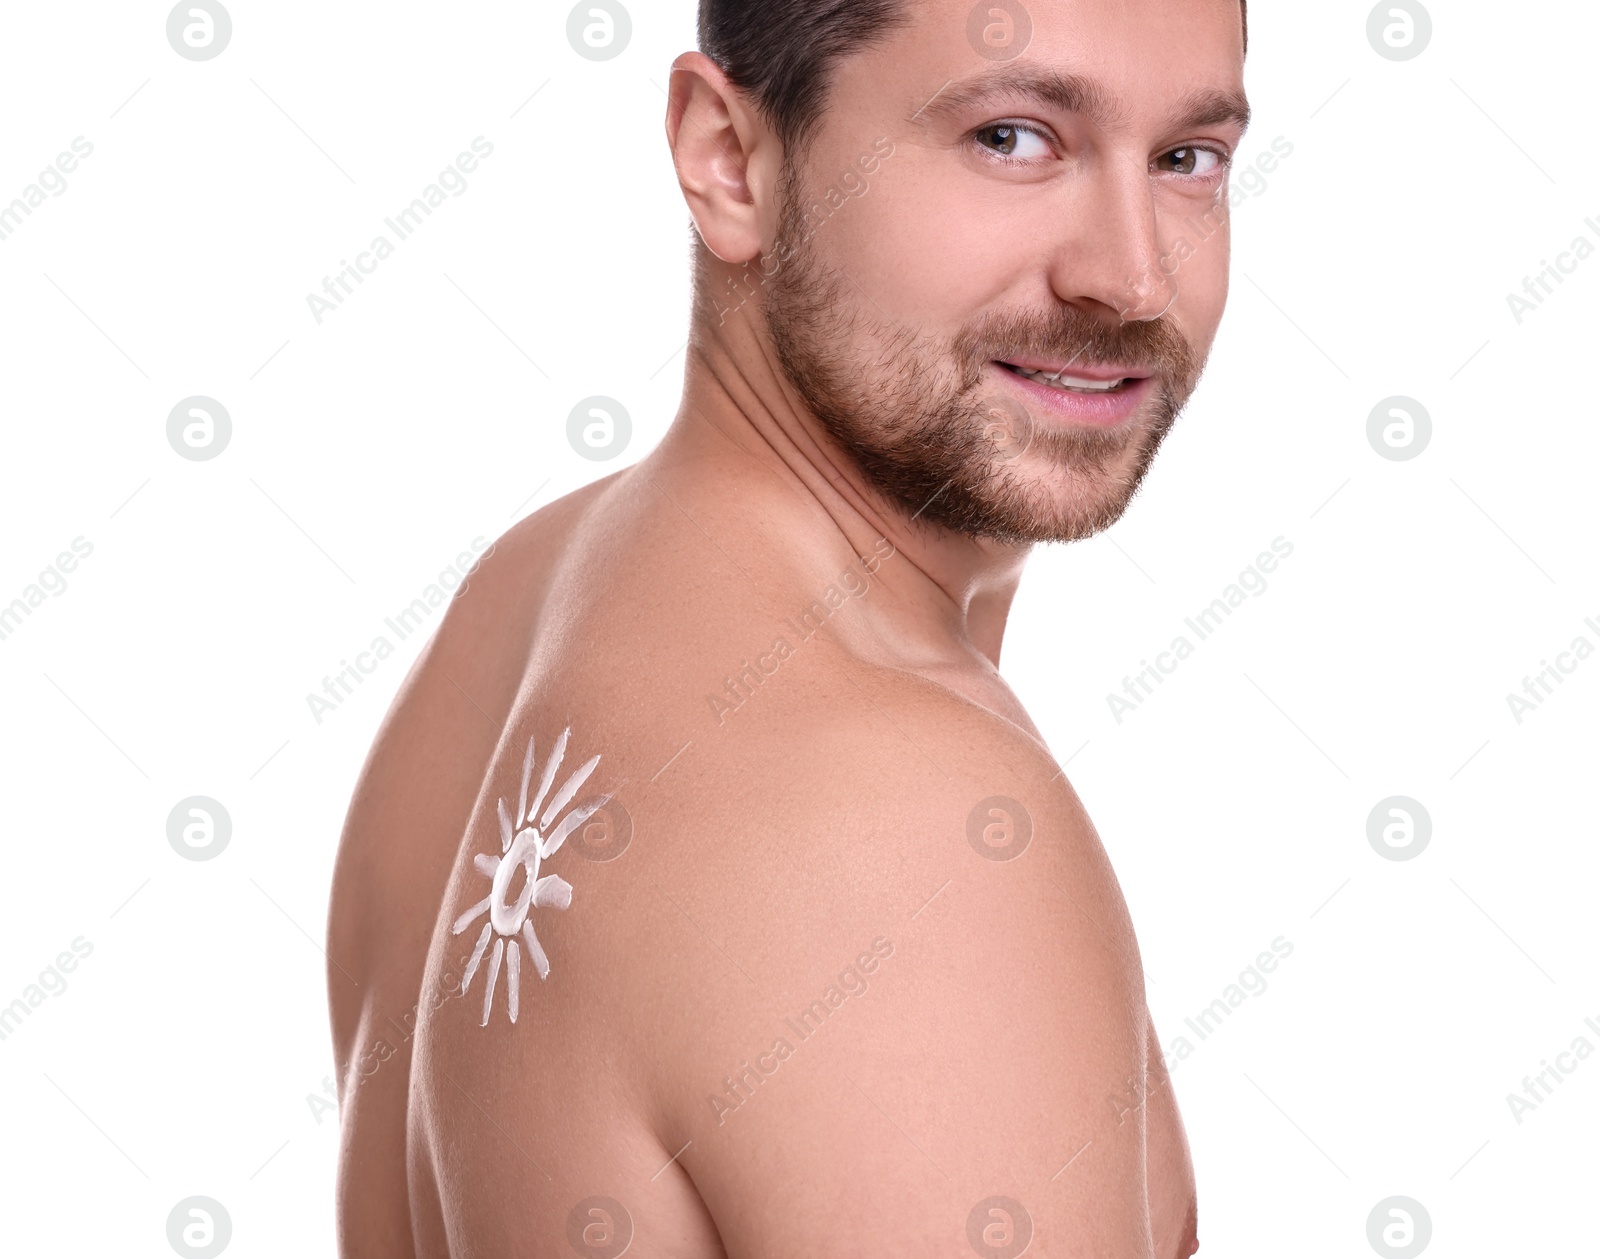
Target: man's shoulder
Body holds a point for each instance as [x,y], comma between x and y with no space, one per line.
[846,810]
[501,593]
[881,744]
[859,900]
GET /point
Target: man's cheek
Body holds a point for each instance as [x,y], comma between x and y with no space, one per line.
[1203,285]
[892,233]
[884,248]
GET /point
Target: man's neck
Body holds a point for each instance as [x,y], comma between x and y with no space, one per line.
[945,590]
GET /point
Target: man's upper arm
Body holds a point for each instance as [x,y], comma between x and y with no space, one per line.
[982,1080]
[1173,1213]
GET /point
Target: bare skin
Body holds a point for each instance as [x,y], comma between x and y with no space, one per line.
[802,839]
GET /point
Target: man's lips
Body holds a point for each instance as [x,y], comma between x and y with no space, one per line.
[1097,396]
[1097,373]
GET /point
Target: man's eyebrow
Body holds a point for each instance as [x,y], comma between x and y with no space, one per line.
[1208,107]
[1069,93]
[1076,94]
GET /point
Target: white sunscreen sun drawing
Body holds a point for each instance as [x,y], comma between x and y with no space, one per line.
[526,844]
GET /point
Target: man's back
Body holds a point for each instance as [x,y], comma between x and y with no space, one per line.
[820,955]
[740,906]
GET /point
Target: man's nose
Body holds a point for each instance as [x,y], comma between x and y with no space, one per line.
[1115,262]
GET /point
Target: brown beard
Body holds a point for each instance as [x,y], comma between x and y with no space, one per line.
[913,417]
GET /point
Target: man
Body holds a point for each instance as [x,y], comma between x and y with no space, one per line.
[707,892]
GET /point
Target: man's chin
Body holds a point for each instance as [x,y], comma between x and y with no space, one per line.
[1062,518]
[1059,491]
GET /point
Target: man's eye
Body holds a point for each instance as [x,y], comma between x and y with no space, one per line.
[1012,140]
[1190,162]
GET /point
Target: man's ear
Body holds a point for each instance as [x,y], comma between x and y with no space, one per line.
[726,157]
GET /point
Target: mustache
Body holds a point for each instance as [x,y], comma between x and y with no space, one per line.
[1156,346]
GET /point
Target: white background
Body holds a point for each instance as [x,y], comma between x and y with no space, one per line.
[430,408]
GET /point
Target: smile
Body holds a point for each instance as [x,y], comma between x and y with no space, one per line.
[1068,383]
[1079,395]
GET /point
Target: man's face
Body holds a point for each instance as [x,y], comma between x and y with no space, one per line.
[959,313]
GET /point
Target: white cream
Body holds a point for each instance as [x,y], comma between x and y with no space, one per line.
[526,846]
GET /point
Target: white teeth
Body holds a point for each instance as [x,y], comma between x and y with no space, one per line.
[1074,383]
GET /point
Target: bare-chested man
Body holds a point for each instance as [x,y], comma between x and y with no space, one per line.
[707,891]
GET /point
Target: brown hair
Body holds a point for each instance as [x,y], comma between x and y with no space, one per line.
[779,52]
